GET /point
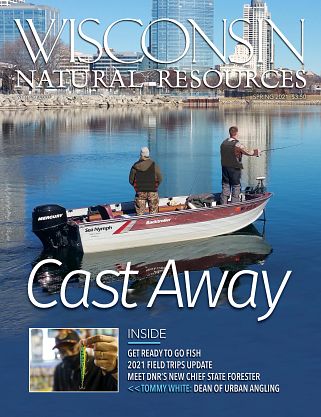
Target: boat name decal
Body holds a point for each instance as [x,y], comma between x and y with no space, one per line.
[54,216]
[98,229]
[158,221]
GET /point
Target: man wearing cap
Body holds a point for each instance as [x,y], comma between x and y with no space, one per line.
[101,370]
[232,152]
[145,176]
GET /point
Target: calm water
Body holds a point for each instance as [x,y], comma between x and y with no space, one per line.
[80,158]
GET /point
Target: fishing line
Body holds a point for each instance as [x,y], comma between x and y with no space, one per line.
[283,147]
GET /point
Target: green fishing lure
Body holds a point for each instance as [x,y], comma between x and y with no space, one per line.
[83,359]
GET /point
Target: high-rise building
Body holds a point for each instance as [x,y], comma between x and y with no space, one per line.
[81,68]
[18,9]
[168,41]
[253,12]
[240,62]
[108,66]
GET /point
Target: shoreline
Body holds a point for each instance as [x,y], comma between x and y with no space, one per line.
[20,102]
[23,102]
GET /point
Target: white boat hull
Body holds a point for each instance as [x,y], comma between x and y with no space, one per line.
[101,237]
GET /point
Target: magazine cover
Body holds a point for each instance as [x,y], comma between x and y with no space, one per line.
[160,208]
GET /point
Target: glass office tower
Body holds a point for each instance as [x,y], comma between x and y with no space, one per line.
[41,16]
[253,12]
[168,41]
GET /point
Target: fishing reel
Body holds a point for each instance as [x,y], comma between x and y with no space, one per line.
[259,189]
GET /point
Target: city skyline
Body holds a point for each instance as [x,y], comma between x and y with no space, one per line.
[285,15]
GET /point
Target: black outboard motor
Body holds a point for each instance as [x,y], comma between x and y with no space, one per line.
[259,189]
[49,223]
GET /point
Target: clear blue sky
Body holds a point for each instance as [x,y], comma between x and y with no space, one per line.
[286,14]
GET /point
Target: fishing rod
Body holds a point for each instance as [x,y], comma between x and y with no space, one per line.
[283,147]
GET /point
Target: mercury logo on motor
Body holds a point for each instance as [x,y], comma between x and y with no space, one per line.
[54,216]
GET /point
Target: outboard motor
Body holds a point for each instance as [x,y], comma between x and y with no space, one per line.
[49,223]
[259,189]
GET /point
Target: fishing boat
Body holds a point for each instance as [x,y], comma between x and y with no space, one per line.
[110,227]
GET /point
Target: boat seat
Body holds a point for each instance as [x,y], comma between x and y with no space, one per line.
[164,209]
[105,212]
[94,217]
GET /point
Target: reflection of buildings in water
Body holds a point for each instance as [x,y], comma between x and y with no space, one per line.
[121,120]
[20,136]
[32,132]
[23,134]
[12,189]
[128,119]
[175,133]
[69,122]
[12,203]
[255,131]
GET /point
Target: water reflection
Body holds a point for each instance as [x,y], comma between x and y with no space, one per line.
[232,253]
[184,148]
[81,157]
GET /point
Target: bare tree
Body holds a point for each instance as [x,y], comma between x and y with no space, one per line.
[7,76]
[17,56]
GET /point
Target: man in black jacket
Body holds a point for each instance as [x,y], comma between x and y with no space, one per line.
[231,159]
[145,176]
[101,370]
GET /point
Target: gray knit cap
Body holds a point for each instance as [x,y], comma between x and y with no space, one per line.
[144,152]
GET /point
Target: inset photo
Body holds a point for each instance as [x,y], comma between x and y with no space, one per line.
[74,360]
